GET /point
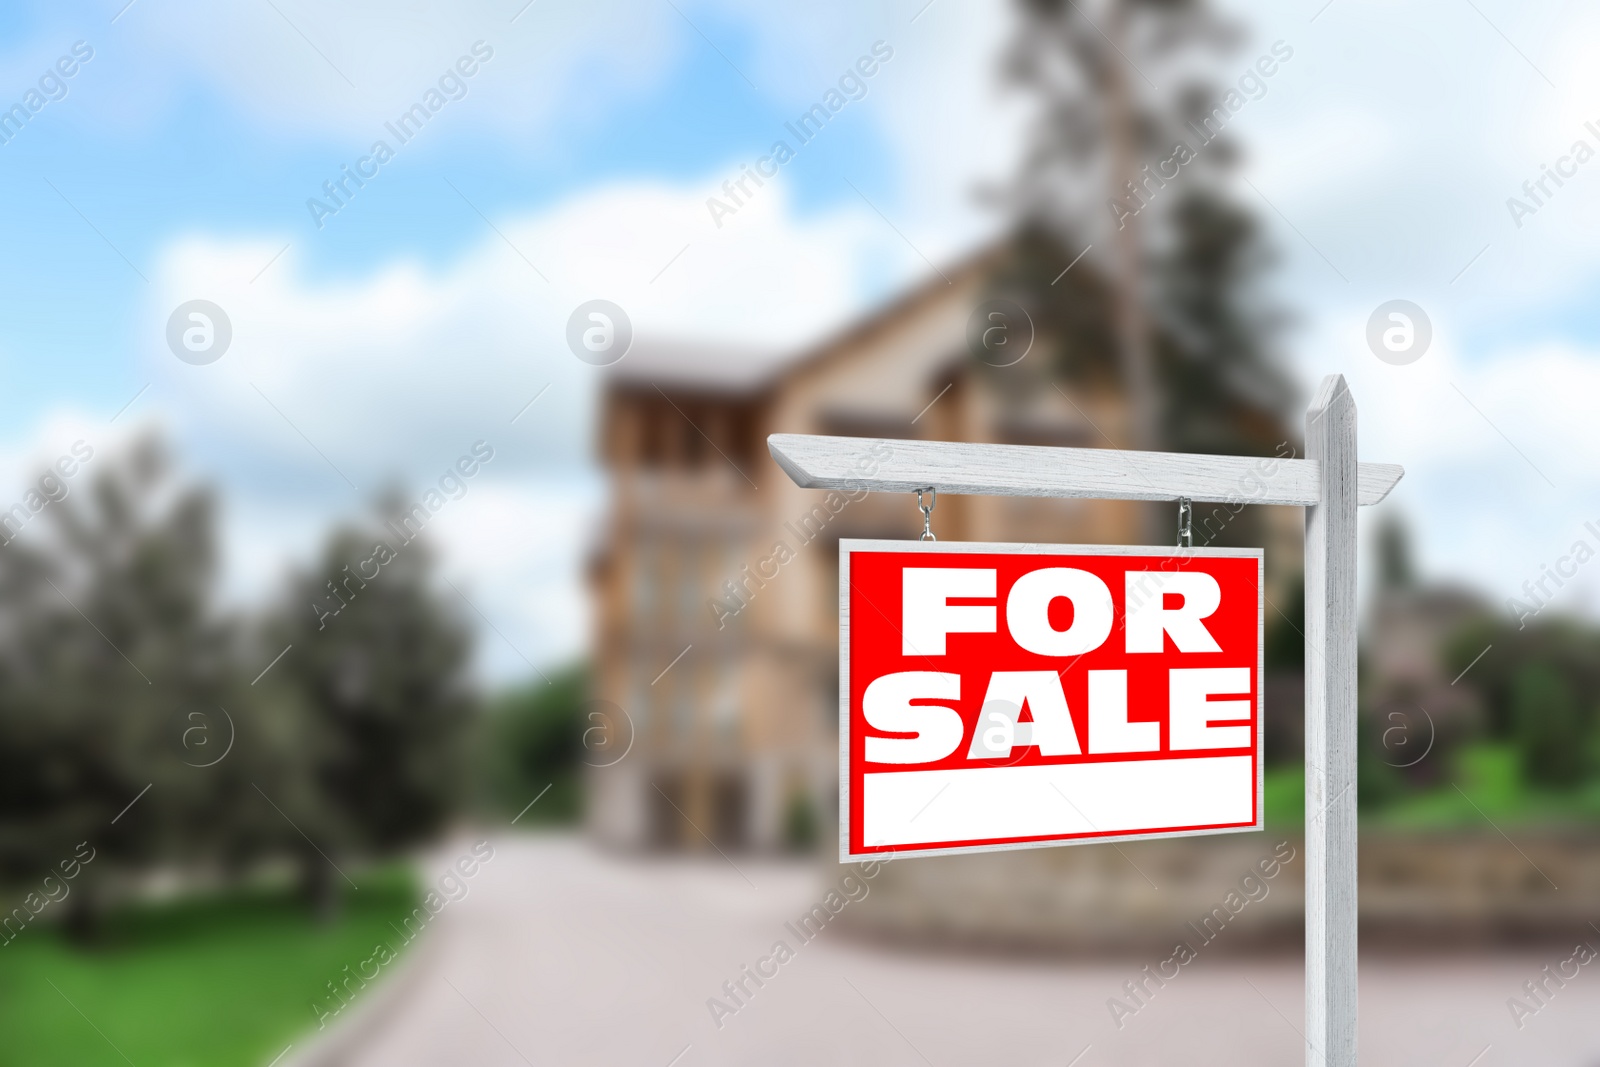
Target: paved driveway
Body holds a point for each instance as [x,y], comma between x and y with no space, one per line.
[562,954]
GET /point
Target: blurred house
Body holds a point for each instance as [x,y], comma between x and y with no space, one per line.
[716,583]
[1409,632]
[1409,629]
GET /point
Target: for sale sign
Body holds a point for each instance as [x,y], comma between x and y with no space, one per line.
[997,696]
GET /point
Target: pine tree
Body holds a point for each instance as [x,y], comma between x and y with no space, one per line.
[1174,264]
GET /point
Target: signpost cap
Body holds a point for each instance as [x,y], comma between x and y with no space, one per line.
[1333,392]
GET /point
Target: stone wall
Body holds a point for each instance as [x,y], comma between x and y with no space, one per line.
[1416,889]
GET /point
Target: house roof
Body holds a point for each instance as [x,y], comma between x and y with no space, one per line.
[708,368]
[741,371]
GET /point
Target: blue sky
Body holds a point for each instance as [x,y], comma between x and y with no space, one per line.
[1379,159]
[195,163]
[178,166]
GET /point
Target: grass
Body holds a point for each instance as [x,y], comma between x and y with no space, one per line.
[1492,788]
[1485,785]
[1284,797]
[224,981]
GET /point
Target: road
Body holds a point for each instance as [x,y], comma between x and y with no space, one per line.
[563,954]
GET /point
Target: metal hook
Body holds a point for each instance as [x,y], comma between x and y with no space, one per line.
[927,511]
[1185,523]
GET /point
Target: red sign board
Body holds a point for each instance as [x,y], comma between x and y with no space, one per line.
[997,696]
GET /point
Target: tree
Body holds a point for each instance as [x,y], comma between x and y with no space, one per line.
[1396,568]
[1534,681]
[109,637]
[538,734]
[1549,727]
[375,679]
[131,720]
[1182,262]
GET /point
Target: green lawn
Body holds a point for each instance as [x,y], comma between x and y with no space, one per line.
[1484,782]
[1284,797]
[220,982]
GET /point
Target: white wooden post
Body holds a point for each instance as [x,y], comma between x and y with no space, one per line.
[1330,718]
[1330,484]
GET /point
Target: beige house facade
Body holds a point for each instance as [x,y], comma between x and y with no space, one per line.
[716,583]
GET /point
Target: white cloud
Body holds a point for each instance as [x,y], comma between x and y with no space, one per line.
[391,375]
[1479,437]
[24,460]
[295,67]
[397,370]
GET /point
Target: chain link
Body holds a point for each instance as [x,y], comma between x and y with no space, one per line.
[927,511]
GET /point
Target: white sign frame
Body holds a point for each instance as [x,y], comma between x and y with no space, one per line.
[847,546]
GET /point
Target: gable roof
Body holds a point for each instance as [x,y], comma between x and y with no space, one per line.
[702,368]
[733,371]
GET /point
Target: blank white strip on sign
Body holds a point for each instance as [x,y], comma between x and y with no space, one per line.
[997,803]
